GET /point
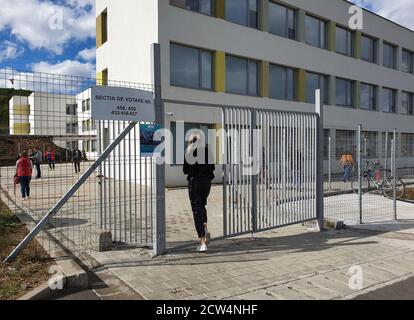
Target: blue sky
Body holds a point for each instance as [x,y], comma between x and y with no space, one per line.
[58,36]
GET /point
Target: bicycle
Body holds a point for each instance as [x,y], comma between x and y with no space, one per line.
[384,187]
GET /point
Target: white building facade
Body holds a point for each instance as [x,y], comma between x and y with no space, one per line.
[266,54]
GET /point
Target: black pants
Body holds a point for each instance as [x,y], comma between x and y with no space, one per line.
[25,186]
[38,171]
[199,190]
[77,166]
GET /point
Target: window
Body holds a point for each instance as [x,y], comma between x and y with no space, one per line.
[344,43]
[407,144]
[187,127]
[326,139]
[368,97]
[102,28]
[407,103]
[389,100]
[71,109]
[390,56]
[345,142]
[94,146]
[241,76]
[316,81]
[316,34]
[86,105]
[201,6]
[407,61]
[282,21]
[244,12]
[369,49]
[369,144]
[282,83]
[191,67]
[344,93]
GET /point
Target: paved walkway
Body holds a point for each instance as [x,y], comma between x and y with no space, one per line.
[288,263]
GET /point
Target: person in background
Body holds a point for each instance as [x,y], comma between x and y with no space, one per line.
[77,158]
[50,156]
[37,160]
[24,169]
[199,177]
[347,162]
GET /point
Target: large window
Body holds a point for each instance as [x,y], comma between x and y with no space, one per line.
[344,44]
[282,21]
[282,83]
[191,67]
[201,6]
[316,81]
[389,100]
[188,128]
[369,144]
[316,32]
[369,49]
[344,93]
[368,97]
[244,12]
[71,109]
[407,103]
[241,76]
[390,56]
[407,61]
[407,144]
[345,142]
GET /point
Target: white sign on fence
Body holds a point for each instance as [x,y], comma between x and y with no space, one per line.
[122,104]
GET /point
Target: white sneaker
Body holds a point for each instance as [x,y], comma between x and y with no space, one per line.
[203,248]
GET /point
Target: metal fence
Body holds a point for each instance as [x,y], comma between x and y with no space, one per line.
[88,175]
[361,180]
[278,186]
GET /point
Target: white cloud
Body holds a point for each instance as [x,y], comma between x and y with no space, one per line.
[67,67]
[9,50]
[43,24]
[399,11]
[87,54]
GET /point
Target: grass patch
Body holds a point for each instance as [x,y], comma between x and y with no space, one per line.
[31,267]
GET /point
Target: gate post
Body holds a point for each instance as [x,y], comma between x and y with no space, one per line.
[394,172]
[254,176]
[319,161]
[159,241]
[359,159]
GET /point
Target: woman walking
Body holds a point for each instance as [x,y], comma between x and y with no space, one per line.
[199,173]
[24,169]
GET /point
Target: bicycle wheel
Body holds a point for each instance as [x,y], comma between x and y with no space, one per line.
[389,190]
[365,185]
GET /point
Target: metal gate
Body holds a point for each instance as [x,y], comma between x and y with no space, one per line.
[270,169]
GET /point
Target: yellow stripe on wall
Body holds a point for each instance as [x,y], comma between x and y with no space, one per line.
[21,110]
[219,71]
[220,9]
[99,31]
[301,85]
[332,36]
[357,44]
[264,79]
[21,128]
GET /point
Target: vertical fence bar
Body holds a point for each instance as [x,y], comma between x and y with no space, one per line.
[359,157]
[159,237]
[330,162]
[394,172]
[319,161]
[253,125]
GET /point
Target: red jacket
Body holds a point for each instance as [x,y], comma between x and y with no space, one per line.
[51,155]
[24,167]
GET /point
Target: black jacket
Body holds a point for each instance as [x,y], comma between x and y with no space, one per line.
[199,170]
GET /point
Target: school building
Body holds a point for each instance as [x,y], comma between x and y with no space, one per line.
[266,54]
